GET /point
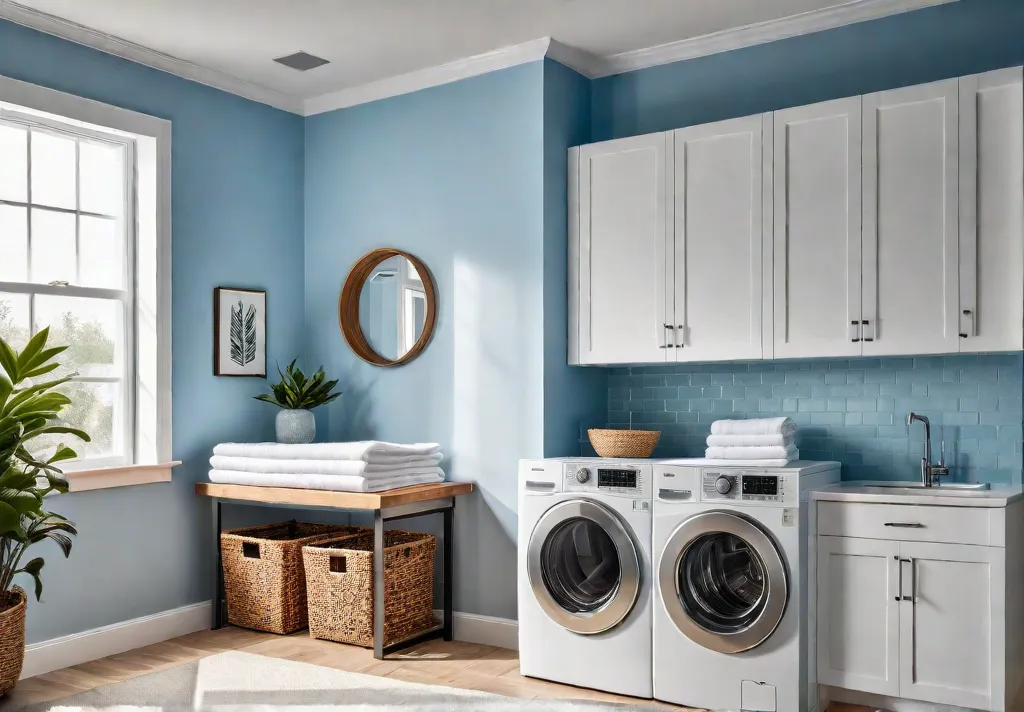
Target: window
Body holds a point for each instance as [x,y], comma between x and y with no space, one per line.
[84,250]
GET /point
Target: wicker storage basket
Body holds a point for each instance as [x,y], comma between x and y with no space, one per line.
[12,639]
[339,578]
[624,443]
[263,578]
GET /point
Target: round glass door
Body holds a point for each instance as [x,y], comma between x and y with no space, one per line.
[584,567]
[723,582]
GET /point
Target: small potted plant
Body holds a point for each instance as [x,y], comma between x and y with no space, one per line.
[297,396]
[29,408]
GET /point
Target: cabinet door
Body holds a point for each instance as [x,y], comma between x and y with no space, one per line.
[991,209]
[858,614]
[717,246]
[817,230]
[910,301]
[951,630]
[624,219]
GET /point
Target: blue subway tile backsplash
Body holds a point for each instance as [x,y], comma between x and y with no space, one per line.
[850,410]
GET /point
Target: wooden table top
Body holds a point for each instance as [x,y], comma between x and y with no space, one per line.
[340,500]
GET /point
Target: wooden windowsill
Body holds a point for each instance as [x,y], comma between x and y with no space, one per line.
[105,477]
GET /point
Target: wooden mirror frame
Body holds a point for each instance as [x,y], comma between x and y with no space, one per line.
[348,307]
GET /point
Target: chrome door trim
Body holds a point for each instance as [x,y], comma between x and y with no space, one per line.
[776,580]
[626,594]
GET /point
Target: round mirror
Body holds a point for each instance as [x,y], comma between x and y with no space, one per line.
[388,307]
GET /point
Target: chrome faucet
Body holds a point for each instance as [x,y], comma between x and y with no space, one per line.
[930,473]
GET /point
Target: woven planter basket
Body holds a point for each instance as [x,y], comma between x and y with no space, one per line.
[624,443]
[12,639]
[339,578]
[263,578]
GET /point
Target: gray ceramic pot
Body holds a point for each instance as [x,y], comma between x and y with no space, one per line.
[295,426]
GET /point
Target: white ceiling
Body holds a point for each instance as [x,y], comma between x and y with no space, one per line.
[371,40]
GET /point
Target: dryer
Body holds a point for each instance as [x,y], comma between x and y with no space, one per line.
[731,569]
[585,573]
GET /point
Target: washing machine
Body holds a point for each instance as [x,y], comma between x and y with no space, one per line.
[732,562]
[585,578]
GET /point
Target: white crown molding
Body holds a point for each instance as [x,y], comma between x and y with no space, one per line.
[431,76]
[72,31]
[587,64]
[759,33]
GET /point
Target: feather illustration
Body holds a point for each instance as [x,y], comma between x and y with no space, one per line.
[237,336]
[250,334]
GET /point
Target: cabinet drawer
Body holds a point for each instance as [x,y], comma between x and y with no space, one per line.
[896,522]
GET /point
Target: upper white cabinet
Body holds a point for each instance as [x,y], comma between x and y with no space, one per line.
[910,220]
[817,236]
[624,218]
[717,245]
[991,316]
[887,224]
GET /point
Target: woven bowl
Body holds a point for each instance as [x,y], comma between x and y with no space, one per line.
[624,443]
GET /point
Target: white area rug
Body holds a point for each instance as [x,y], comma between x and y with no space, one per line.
[241,681]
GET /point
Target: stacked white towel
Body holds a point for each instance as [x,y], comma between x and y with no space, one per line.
[767,442]
[366,466]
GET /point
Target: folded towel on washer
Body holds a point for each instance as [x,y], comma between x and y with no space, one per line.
[333,483]
[779,439]
[354,468]
[764,452]
[754,426]
[366,450]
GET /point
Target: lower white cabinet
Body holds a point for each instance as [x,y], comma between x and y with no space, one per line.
[920,620]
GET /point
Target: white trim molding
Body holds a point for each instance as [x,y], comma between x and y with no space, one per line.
[106,477]
[80,34]
[759,33]
[586,63]
[430,77]
[90,645]
[484,630]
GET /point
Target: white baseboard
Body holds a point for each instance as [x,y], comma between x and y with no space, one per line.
[89,645]
[98,643]
[874,701]
[485,630]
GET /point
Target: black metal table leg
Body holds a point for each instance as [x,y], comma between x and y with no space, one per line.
[218,571]
[378,585]
[448,573]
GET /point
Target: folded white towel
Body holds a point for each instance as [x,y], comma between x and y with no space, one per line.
[751,440]
[754,426]
[765,452]
[740,463]
[334,483]
[366,450]
[354,468]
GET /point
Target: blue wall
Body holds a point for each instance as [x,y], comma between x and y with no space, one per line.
[853,411]
[455,175]
[573,397]
[912,48]
[237,218]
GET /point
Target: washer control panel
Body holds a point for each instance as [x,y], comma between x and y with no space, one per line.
[625,479]
[739,486]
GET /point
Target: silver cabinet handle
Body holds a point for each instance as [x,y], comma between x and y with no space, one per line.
[912,582]
[899,578]
[679,342]
[905,525]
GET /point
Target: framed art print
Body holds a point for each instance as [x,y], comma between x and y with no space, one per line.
[239,332]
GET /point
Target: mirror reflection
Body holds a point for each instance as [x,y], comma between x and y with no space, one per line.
[393,307]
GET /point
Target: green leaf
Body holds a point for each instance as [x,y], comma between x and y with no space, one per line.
[10,520]
[33,568]
[6,387]
[32,348]
[41,371]
[9,362]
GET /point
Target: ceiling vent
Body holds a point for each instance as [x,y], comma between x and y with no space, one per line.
[301,61]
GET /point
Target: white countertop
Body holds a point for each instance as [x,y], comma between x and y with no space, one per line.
[863,491]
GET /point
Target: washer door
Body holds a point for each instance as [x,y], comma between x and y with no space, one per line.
[723,581]
[584,566]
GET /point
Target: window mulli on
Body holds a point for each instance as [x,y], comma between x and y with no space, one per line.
[80,254]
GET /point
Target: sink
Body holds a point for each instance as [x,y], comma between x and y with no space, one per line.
[914,487]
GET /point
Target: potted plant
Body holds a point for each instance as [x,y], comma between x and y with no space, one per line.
[29,408]
[297,396]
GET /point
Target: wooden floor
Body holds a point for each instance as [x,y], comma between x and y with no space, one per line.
[465,665]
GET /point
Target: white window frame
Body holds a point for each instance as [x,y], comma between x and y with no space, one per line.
[148,303]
